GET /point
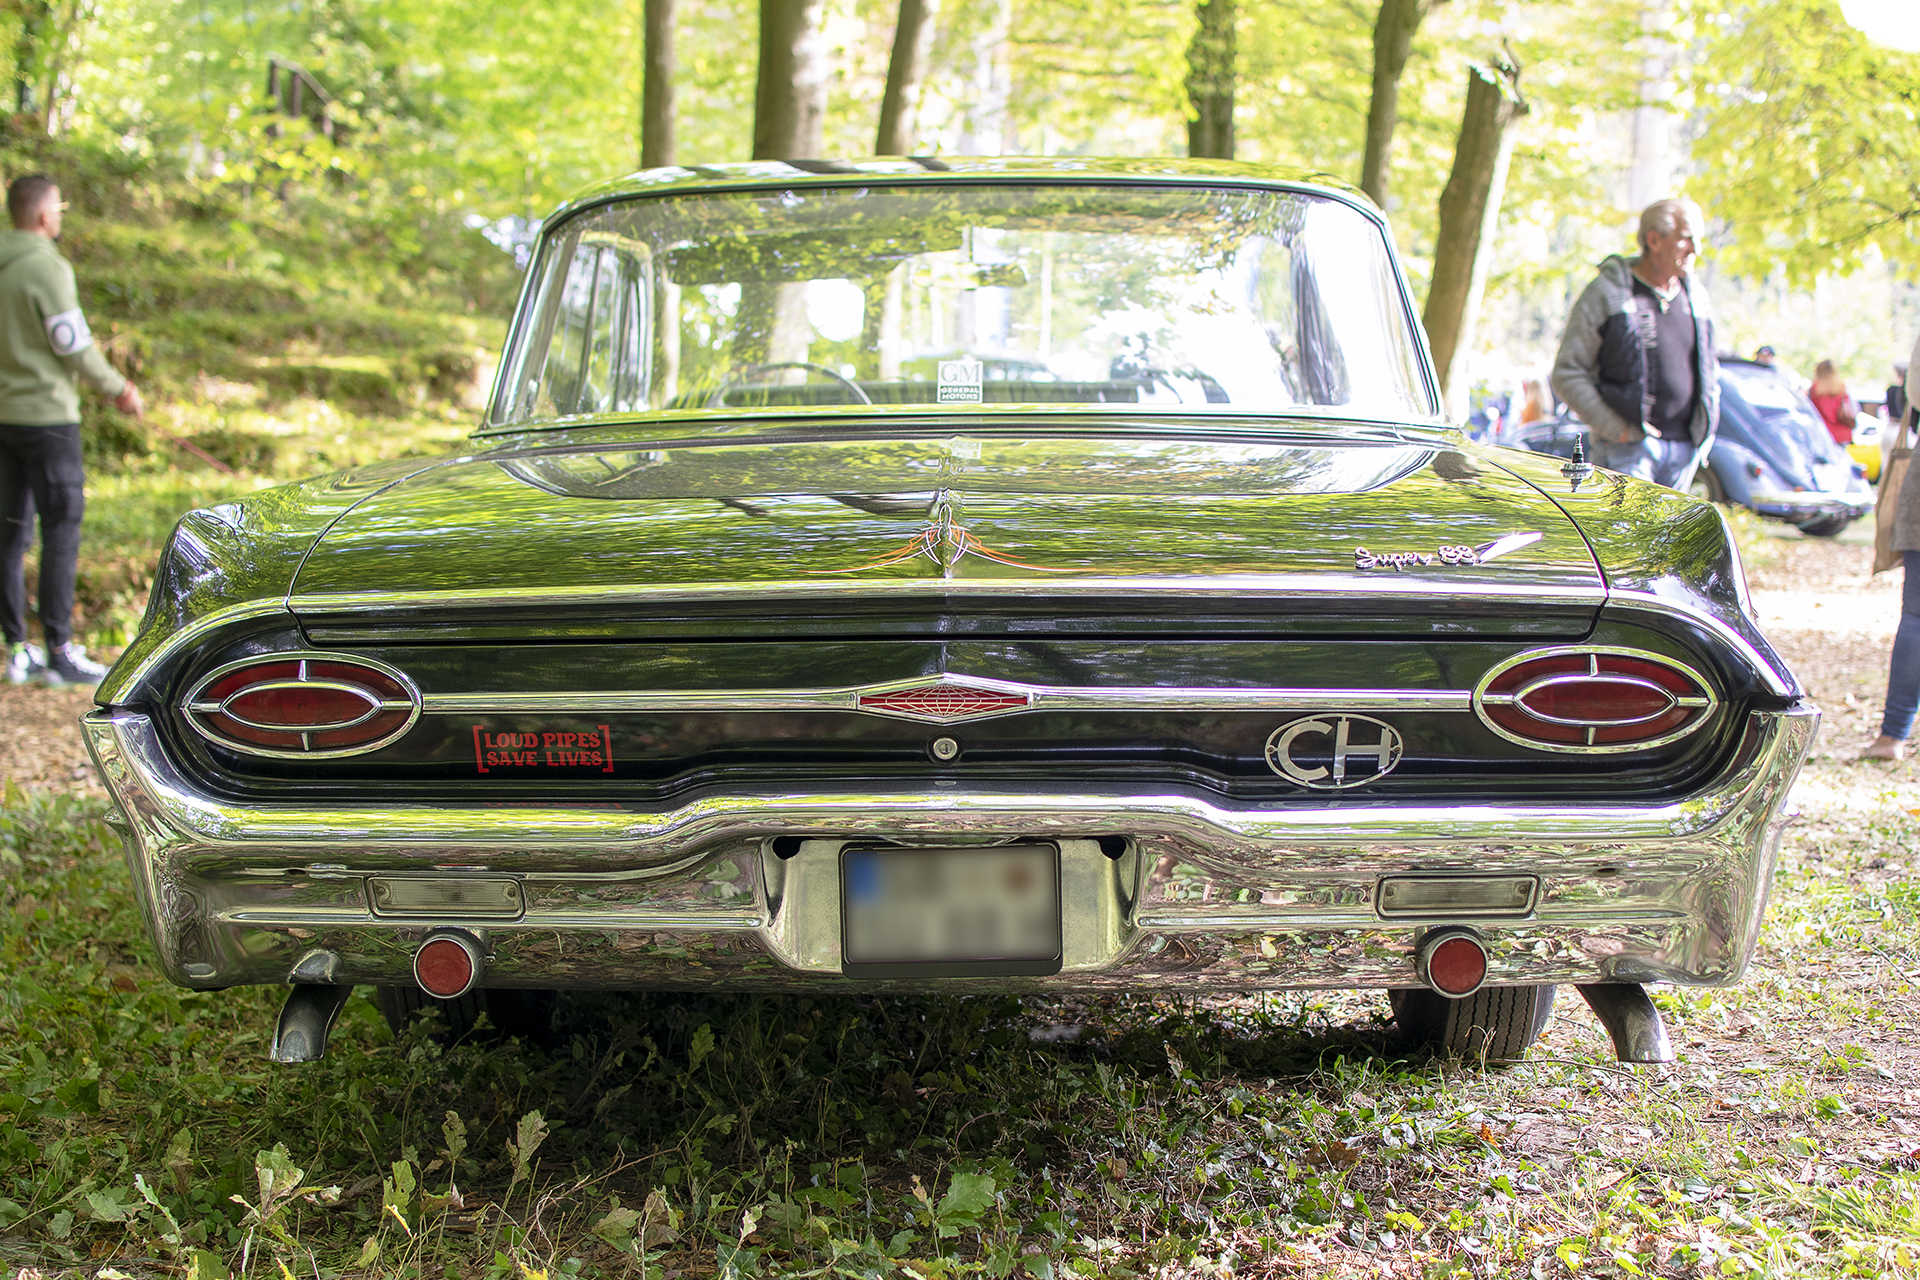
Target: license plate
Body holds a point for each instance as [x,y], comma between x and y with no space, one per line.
[979,912]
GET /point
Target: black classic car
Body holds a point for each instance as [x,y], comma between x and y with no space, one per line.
[746,646]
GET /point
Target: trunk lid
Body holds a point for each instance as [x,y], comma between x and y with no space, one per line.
[1414,536]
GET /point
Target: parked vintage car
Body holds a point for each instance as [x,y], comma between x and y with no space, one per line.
[729,656]
[1773,454]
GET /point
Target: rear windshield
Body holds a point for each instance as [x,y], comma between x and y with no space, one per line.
[1130,298]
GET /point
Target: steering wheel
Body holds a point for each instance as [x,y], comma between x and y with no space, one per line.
[718,400]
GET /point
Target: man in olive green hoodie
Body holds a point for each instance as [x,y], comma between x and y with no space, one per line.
[45,349]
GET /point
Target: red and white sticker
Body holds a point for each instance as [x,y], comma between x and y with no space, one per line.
[546,749]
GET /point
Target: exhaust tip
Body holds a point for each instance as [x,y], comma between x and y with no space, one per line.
[447,965]
[1453,962]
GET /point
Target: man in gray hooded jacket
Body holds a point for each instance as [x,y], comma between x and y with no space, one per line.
[1636,362]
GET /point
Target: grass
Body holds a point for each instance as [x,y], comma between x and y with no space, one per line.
[143,1133]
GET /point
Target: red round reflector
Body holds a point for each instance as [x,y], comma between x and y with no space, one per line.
[1456,965]
[446,966]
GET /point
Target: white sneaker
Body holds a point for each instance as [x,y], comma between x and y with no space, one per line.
[25,662]
[69,664]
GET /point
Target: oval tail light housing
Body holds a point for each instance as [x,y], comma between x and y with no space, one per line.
[303,706]
[1593,700]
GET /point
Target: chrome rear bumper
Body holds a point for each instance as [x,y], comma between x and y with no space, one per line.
[1205,895]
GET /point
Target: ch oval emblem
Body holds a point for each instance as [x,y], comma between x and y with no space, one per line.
[1329,752]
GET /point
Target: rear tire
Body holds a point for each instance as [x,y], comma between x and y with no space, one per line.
[1499,1023]
[1831,527]
[511,1013]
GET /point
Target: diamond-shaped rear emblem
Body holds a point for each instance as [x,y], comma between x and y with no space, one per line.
[944,702]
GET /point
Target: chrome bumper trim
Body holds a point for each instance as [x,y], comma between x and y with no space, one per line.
[1207,895]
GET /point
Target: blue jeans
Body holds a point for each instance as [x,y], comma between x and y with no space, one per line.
[1667,462]
[1903,674]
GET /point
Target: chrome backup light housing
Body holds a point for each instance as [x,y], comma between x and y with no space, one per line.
[204,709]
[1699,704]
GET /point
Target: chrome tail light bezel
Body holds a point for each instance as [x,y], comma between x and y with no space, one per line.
[200,710]
[1701,704]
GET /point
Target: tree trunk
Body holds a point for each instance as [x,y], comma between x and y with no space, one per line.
[1392,44]
[34,17]
[1469,208]
[656,96]
[912,40]
[790,103]
[1210,81]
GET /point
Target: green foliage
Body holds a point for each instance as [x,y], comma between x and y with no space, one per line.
[889,1137]
[1812,141]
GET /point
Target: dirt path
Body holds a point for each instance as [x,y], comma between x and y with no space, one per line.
[41,744]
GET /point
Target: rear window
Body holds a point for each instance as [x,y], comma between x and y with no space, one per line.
[1131,298]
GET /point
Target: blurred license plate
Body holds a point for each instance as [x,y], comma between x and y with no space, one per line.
[951,912]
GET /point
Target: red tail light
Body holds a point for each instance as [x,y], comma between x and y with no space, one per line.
[303,706]
[1593,700]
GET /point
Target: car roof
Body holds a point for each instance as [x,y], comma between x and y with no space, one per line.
[749,175]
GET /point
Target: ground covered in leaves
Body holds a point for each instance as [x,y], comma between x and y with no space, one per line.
[142,1133]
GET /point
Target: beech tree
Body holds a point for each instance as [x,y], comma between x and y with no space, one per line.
[656,94]
[906,68]
[1469,208]
[790,98]
[1393,34]
[1211,80]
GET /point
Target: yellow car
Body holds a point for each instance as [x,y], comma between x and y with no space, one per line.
[1865,448]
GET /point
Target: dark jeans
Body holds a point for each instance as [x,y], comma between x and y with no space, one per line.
[40,470]
[1903,673]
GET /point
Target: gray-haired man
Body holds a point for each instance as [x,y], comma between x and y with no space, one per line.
[1636,362]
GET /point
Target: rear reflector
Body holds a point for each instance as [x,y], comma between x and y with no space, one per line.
[303,705]
[1452,962]
[1593,700]
[447,965]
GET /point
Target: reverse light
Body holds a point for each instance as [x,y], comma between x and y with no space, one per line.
[303,706]
[1592,700]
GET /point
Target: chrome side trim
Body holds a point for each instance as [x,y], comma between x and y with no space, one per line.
[1317,587]
[188,636]
[1646,601]
[1481,698]
[1038,698]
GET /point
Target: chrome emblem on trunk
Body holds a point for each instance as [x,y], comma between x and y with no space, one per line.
[1358,750]
[946,542]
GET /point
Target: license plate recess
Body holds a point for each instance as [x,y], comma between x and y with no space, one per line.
[975,912]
